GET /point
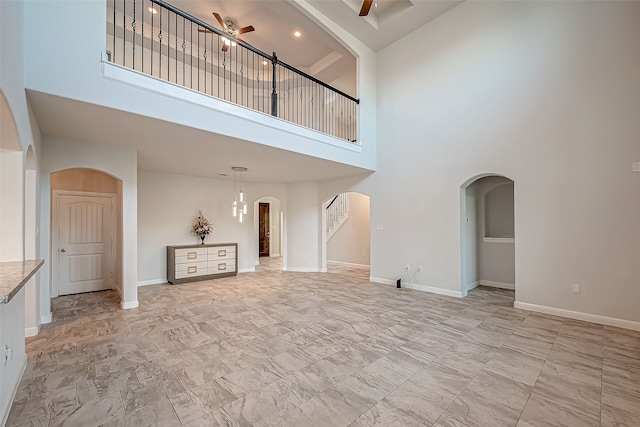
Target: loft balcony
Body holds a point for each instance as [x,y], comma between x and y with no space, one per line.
[160,40]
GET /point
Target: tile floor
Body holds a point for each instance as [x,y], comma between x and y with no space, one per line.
[297,349]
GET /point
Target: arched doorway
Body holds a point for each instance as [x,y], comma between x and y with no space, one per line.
[269,232]
[346,235]
[86,248]
[487,247]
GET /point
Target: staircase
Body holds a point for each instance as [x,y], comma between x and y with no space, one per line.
[337,213]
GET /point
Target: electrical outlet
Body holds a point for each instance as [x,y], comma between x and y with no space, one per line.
[8,354]
[407,267]
[420,269]
[576,288]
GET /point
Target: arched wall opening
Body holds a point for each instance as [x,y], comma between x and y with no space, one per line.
[268,225]
[487,230]
[86,232]
[346,234]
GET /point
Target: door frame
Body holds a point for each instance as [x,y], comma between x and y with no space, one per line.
[268,228]
[55,232]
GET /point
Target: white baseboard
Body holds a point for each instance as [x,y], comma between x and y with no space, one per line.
[257,262]
[301,270]
[594,318]
[473,285]
[128,305]
[430,289]
[247,270]
[31,332]
[347,264]
[500,285]
[13,395]
[274,255]
[45,318]
[152,282]
[324,270]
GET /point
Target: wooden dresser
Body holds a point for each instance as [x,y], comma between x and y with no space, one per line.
[189,263]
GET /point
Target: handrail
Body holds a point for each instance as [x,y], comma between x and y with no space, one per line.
[274,59]
[334,199]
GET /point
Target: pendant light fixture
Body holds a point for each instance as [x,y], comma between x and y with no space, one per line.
[239,210]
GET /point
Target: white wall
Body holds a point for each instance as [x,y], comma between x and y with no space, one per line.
[11,205]
[350,243]
[302,228]
[121,163]
[167,204]
[546,93]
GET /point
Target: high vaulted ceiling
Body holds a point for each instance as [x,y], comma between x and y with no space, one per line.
[317,52]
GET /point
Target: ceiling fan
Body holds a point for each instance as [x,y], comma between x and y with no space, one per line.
[229,27]
[366,7]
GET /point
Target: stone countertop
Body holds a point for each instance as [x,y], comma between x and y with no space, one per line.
[14,275]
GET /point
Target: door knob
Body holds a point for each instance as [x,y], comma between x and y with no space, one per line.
[63,250]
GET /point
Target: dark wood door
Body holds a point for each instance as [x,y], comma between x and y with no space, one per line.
[264,229]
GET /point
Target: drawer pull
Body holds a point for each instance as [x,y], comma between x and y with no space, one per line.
[192,269]
[192,255]
[222,266]
[222,252]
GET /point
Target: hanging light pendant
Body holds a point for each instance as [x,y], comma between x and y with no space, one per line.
[239,211]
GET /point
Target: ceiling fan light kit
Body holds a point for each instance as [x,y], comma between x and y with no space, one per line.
[229,28]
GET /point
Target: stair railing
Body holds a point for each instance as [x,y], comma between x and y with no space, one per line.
[336,210]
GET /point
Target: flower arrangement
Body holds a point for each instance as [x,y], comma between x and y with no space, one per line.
[201,226]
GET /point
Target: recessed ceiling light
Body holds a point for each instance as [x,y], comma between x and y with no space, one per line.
[264,62]
[152,10]
[297,34]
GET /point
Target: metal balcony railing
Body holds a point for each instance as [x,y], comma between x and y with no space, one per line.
[158,39]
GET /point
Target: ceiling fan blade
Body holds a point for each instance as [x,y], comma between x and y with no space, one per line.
[366,6]
[220,21]
[225,47]
[240,40]
[246,29]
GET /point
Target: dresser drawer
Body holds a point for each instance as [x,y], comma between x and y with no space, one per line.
[192,268]
[222,252]
[191,255]
[219,267]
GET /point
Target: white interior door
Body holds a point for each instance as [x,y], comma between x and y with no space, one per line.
[84,252]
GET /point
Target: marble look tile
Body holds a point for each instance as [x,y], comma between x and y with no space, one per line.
[418,402]
[460,363]
[481,410]
[92,413]
[615,417]
[320,411]
[101,386]
[500,390]
[536,333]
[158,414]
[361,393]
[62,379]
[574,372]
[541,412]
[515,366]
[443,380]
[217,418]
[196,375]
[24,389]
[195,403]
[253,377]
[42,406]
[529,346]
[138,396]
[620,398]
[385,415]
[292,360]
[486,337]
[578,345]
[38,422]
[259,407]
[119,362]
